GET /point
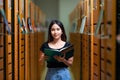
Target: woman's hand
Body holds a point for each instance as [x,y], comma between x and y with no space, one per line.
[46,57]
[59,58]
[42,58]
[62,59]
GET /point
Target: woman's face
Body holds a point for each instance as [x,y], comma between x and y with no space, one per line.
[56,31]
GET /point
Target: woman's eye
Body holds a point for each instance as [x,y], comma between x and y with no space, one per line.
[52,29]
[58,29]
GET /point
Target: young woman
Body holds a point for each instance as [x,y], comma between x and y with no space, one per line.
[58,69]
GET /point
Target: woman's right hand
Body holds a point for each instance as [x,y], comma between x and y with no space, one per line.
[42,58]
[45,57]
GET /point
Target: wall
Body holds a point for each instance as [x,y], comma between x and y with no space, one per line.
[50,7]
[57,9]
[65,8]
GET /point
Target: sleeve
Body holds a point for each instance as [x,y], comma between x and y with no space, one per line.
[42,47]
[71,52]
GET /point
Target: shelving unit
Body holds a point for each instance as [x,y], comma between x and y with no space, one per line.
[98,38]
[18,51]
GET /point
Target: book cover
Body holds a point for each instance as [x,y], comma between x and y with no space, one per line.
[61,52]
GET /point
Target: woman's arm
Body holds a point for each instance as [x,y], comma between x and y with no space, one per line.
[62,59]
[68,62]
[41,59]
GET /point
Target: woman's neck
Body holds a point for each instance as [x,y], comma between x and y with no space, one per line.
[56,44]
[57,41]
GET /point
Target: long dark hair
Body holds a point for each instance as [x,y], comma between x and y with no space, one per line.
[63,36]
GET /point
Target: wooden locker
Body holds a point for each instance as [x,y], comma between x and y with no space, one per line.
[41,68]
[8,42]
[16,40]
[27,44]
[109,30]
[32,57]
[35,54]
[76,68]
[2,46]
[32,42]
[21,42]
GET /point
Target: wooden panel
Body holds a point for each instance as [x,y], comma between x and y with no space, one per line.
[96,41]
[32,11]
[95,11]
[2,69]
[16,42]
[41,68]
[96,59]
[1,64]
[8,42]
[27,44]
[76,67]
[103,48]
[85,57]
[32,57]
[21,42]
[111,44]
[35,55]
[2,75]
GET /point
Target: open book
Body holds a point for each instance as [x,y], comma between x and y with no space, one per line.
[61,52]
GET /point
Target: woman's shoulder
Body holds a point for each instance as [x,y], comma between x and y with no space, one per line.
[44,44]
[68,43]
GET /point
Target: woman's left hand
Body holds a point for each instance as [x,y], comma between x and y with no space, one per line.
[59,58]
[62,59]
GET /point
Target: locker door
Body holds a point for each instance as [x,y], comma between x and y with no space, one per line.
[32,43]
[2,46]
[8,42]
[21,43]
[16,40]
[76,70]
[27,44]
[111,41]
